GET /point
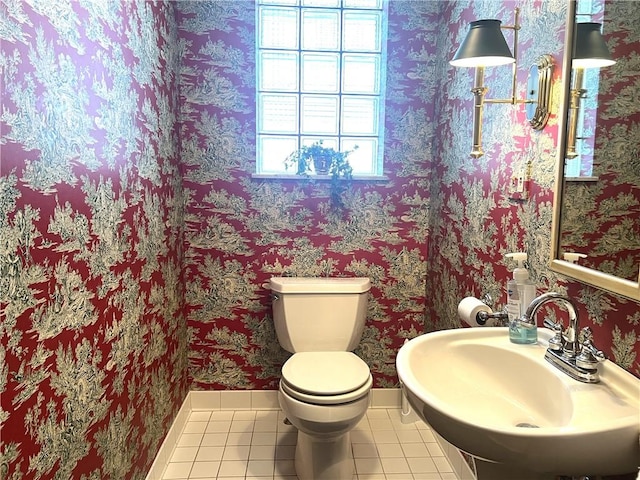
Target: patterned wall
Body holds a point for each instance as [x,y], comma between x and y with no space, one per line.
[240,231]
[474,222]
[93,351]
[112,147]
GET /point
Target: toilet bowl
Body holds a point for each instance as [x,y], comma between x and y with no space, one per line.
[324,389]
[324,395]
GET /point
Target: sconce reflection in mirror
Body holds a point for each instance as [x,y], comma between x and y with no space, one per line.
[590,51]
[485,46]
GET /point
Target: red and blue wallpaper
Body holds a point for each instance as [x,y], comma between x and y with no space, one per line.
[135,242]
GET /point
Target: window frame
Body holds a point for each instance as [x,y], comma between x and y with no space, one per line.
[379,60]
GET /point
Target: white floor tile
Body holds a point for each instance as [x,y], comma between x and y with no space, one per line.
[195,427]
[422,465]
[200,416]
[241,426]
[177,470]
[232,468]
[214,440]
[184,454]
[190,440]
[285,452]
[209,454]
[415,450]
[239,438]
[236,452]
[258,445]
[368,465]
[203,470]
[365,450]
[390,450]
[260,468]
[395,465]
[217,427]
[262,452]
[385,436]
[264,438]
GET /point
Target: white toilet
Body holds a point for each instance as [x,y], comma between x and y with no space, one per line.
[324,390]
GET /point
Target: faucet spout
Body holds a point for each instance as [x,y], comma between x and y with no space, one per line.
[565,351]
[570,346]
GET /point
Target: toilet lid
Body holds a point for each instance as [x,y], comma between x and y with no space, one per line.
[325,373]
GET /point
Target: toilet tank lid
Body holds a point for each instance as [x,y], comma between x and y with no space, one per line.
[319,284]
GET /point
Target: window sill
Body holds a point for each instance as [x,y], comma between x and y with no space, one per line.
[580,179]
[283,176]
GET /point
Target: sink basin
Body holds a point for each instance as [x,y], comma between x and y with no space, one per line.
[505,403]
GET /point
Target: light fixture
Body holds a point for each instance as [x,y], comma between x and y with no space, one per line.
[589,51]
[485,46]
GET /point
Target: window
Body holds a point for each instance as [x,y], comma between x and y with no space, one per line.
[320,76]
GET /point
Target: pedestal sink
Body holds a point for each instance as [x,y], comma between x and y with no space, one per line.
[504,403]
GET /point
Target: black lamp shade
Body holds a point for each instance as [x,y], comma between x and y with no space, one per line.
[484,46]
[590,49]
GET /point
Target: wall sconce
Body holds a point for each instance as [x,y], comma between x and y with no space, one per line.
[485,46]
[590,51]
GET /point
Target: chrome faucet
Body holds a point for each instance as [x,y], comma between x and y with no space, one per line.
[577,357]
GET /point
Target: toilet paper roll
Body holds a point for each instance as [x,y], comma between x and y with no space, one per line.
[469,308]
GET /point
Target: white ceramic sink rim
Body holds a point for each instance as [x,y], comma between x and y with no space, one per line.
[562,407]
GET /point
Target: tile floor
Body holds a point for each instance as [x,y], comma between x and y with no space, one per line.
[258,445]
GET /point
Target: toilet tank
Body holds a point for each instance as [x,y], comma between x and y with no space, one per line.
[319,314]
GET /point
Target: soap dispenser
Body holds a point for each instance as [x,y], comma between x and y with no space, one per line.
[520,293]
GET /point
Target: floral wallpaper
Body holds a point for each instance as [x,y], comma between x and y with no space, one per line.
[136,243]
[476,222]
[94,345]
[602,218]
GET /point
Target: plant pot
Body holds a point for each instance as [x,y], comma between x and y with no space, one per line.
[321,164]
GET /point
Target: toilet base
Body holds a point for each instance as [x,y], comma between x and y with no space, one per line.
[324,458]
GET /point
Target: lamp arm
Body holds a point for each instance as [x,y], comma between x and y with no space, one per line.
[479,91]
[574,108]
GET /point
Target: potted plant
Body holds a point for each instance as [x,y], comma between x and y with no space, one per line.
[324,161]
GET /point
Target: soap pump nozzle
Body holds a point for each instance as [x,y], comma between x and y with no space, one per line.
[520,273]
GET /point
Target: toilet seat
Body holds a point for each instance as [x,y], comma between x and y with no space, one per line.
[326,378]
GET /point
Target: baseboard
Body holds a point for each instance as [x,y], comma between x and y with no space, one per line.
[170,441]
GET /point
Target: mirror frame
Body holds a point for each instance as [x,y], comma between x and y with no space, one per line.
[604,281]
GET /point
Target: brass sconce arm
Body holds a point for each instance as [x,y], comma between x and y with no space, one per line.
[577,93]
[484,46]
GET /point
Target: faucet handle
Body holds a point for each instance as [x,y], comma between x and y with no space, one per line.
[555,342]
[589,355]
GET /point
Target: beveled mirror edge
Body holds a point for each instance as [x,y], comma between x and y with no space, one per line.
[604,281]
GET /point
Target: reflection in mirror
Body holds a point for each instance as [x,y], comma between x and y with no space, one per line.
[598,203]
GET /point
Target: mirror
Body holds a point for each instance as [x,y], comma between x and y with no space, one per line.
[597,204]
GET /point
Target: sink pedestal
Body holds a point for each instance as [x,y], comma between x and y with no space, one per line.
[486,470]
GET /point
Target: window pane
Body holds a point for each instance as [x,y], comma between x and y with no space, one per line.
[278,28]
[364,159]
[362,31]
[272,151]
[321,3]
[320,30]
[319,115]
[279,71]
[278,113]
[361,74]
[328,142]
[362,3]
[359,116]
[281,2]
[320,72]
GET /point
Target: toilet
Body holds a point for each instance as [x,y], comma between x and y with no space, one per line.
[324,389]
